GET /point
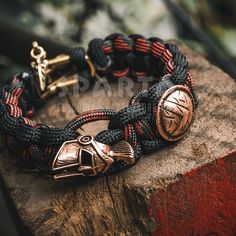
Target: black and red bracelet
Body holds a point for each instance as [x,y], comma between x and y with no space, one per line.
[153,118]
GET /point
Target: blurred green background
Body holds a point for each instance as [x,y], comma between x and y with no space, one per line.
[207,26]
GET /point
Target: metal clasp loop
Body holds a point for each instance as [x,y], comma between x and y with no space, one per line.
[44,70]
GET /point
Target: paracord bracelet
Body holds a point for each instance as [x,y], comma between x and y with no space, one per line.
[153,118]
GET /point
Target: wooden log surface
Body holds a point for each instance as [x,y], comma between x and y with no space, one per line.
[122,204]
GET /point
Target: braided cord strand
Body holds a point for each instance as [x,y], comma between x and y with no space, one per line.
[27,139]
[115,56]
[138,56]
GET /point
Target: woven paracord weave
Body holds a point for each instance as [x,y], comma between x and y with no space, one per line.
[116,56]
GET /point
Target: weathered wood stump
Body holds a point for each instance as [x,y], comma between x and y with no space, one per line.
[185,189]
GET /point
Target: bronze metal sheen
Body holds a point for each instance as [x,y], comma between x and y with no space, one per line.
[44,69]
[175,113]
[87,157]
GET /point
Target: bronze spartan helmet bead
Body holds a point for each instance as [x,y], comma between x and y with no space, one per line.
[88,157]
[175,113]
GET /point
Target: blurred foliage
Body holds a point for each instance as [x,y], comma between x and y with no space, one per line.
[70,20]
[61,18]
[217,19]
[74,22]
[7,68]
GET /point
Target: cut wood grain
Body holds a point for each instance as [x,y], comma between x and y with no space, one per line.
[120,204]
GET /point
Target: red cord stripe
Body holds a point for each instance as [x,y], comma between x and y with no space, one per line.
[15,111]
[28,121]
[12,101]
[140,74]
[142,45]
[121,73]
[17,92]
[157,49]
[126,135]
[107,49]
[190,80]
[119,43]
[91,116]
[170,66]
[141,48]
[139,128]
[142,41]
[122,47]
[167,55]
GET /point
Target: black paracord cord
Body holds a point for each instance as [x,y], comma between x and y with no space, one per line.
[116,56]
